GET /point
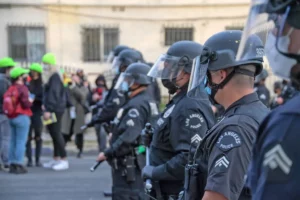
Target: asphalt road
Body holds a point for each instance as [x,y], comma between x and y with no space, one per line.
[77,183]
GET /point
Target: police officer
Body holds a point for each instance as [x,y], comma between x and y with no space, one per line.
[224,153]
[115,99]
[261,89]
[274,172]
[128,125]
[115,52]
[184,121]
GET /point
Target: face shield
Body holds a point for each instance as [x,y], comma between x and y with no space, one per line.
[275,35]
[116,64]
[167,67]
[198,81]
[110,57]
[125,81]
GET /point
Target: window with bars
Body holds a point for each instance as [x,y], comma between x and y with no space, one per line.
[98,42]
[177,34]
[27,44]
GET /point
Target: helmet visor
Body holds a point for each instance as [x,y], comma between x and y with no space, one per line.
[125,81]
[110,57]
[258,35]
[197,84]
[167,67]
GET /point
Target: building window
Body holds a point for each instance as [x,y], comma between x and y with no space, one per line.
[91,44]
[26,44]
[98,42]
[173,35]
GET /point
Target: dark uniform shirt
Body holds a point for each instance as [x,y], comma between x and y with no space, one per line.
[226,149]
[129,123]
[274,170]
[183,121]
[263,94]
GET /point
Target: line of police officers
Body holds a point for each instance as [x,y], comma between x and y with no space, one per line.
[192,156]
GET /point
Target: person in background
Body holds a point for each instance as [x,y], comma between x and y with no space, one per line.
[261,89]
[79,94]
[55,102]
[288,92]
[69,115]
[278,91]
[36,92]
[19,119]
[96,99]
[6,64]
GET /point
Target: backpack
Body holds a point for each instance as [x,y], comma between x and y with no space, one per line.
[10,101]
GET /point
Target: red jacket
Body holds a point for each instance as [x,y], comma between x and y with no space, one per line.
[23,100]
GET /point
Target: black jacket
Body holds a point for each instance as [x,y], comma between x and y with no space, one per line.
[36,88]
[55,96]
[4,84]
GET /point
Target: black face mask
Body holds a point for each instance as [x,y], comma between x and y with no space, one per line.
[170,85]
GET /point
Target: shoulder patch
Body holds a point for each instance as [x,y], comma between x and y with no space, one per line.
[194,121]
[277,158]
[133,112]
[221,164]
[277,165]
[130,122]
[169,111]
[116,101]
[229,140]
[263,96]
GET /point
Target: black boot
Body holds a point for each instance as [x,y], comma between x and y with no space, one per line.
[21,169]
[38,149]
[13,168]
[29,163]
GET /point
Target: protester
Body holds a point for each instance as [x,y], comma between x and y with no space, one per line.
[96,100]
[36,91]
[78,96]
[17,107]
[6,65]
[55,102]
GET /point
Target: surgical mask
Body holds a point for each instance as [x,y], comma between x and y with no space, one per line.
[281,65]
[125,87]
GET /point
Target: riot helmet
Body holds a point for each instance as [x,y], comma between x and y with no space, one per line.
[220,52]
[136,73]
[115,52]
[178,59]
[125,58]
[278,24]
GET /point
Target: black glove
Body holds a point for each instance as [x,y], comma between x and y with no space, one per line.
[147,172]
[146,137]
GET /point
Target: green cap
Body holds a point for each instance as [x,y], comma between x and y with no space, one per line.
[141,149]
[18,71]
[36,67]
[7,62]
[49,58]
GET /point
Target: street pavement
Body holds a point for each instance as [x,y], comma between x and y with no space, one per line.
[77,183]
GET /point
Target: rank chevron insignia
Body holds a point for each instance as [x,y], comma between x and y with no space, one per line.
[196,138]
[276,157]
[222,162]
